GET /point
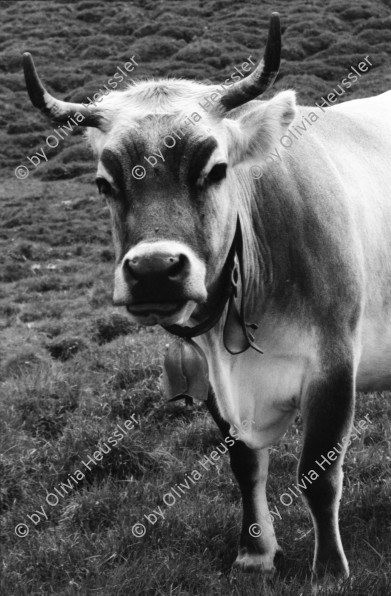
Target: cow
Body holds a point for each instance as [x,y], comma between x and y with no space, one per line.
[279,282]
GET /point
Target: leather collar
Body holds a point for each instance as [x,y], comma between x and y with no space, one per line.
[236,336]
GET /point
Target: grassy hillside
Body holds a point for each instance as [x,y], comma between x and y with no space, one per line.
[72,368]
[77,46]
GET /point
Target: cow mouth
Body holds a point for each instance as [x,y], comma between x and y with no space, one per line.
[156,308]
[161,313]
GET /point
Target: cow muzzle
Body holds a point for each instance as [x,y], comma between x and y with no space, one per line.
[160,282]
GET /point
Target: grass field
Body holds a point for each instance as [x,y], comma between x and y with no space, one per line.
[73,368]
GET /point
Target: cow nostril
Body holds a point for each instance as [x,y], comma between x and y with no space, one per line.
[132,268]
[156,266]
[177,265]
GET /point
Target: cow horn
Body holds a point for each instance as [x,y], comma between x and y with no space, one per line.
[263,76]
[55,109]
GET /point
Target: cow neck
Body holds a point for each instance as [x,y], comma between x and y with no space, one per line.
[236,335]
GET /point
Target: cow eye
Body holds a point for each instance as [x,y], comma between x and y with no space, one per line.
[104,187]
[217,173]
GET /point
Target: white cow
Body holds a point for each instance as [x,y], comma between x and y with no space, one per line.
[306,247]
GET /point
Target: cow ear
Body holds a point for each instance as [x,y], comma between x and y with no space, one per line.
[261,129]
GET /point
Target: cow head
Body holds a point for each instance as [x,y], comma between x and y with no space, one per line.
[170,171]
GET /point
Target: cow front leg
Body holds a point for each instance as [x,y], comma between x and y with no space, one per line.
[327,417]
[258,544]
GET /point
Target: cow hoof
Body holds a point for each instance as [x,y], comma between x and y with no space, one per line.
[330,583]
[250,562]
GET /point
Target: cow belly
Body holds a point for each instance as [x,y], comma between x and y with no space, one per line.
[263,391]
[267,392]
[374,369]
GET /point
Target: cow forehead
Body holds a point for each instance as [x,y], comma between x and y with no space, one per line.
[153,131]
[164,144]
[186,161]
[184,150]
[123,111]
